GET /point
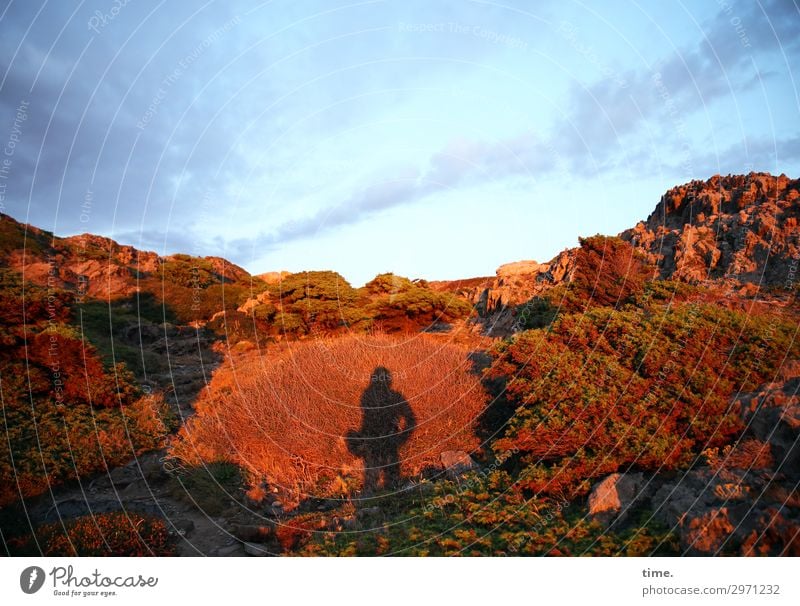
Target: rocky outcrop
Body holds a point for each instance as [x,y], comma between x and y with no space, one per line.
[273,277]
[613,497]
[518,282]
[456,463]
[742,227]
[88,265]
[772,415]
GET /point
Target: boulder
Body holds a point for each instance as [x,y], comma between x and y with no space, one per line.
[253,533]
[456,463]
[612,497]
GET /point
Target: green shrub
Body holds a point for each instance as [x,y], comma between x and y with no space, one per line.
[649,388]
[486,515]
[608,272]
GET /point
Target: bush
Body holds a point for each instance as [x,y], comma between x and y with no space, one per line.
[47,444]
[414,308]
[608,272]
[294,421]
[539,312]
[485,515]
[115,534]
[65,414]
[648,388]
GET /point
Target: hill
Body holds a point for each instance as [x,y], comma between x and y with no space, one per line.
[635,395]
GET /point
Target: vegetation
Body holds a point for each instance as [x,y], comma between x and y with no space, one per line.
[65,414]
[609,371]
[208,487]
[108,534]
[401,305]
[646,387]
[487,515]
[609,272]
[323,303]
[288,422]
[191,289]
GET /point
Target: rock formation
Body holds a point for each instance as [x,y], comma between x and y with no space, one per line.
[741,227]
[88,265]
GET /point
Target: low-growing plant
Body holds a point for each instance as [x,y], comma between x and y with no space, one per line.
[118,534]
[487,515]
[645,387]
[297,420]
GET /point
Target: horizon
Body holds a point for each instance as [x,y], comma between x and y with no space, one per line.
[361,284]
[429,141]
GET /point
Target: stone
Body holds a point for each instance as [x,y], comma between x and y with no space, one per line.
[183,527]
[456,463]
[612,497]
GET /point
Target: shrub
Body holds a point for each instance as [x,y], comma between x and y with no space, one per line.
[647,387]
[293,421]
[414,308]
[608,272]
[485,515]
[46,444]
[388,284]
[538,312]
[108,534]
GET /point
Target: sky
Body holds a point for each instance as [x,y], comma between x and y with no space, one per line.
[433,139]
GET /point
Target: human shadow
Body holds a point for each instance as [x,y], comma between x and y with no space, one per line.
[387,423]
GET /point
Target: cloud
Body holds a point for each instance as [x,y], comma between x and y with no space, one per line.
[382,194]
[459,163]
[215,132]
[665,96]
[759,154]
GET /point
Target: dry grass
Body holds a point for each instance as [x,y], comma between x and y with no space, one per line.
[286,418]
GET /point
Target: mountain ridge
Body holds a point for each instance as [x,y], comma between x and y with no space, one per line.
[743,227]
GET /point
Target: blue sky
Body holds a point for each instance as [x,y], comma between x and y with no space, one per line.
[431,139]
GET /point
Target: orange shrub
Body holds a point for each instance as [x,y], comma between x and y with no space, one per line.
[118,534]
[305,420]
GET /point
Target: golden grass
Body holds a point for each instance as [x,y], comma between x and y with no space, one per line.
[286,419]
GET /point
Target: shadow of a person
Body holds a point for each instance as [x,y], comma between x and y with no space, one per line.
[387,422]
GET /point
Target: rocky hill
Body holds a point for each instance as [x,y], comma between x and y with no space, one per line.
[742,227]
[618,351]
[90,265]
[739,227]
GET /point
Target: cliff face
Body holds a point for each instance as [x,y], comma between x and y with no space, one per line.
[742,227]
[518,282]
